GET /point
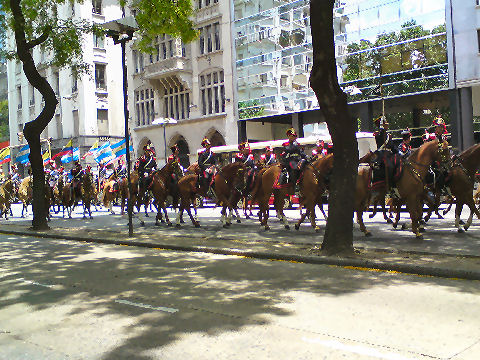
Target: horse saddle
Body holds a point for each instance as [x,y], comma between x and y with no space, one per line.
[387,168]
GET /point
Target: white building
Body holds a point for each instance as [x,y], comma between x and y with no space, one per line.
[190,83]
[89,108]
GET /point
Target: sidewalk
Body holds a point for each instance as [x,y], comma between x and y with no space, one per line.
[443,252]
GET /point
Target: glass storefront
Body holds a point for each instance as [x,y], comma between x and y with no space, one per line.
[383,47]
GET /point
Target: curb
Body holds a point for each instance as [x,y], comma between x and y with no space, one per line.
[319,260]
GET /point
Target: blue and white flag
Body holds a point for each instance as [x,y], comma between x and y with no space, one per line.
[104,153]
[120,148]
[22,156]
[73,156]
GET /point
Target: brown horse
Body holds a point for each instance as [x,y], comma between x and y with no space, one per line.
[313,185]
[67,197]
[462,181]
[25,193]
[88,193]
[229,182]
[6,197]
[262,192]
[161,188]
[412,181]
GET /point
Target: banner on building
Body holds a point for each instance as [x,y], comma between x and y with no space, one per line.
[23,153]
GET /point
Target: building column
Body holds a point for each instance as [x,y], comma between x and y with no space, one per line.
[242,131]
[461,109]
[297,123]
[366,117]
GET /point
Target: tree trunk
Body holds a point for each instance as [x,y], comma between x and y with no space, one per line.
[33,129]
[338,236]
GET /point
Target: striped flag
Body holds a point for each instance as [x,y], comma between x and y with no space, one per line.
[23,153]
[67,149]
[92,150]
[46,157]
[5,155]
[120,148]
[73,156]
[104,153]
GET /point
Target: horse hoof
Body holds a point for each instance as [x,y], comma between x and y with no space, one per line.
[297,227]
[239,221]
[462,222]
[368,233]
[394,225]
[371,216]
[317,229]
[267,227]
[182,221]
[421,229]
[146,215]
[247,217]
[404,226]
[169,224]
[177,226]
[466,228]
[419,236]
[460,230]
[287,227]
[197,225]
[422,222]
[142,223]
[389,221]
[440,217]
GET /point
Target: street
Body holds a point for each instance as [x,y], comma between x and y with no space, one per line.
[72,300]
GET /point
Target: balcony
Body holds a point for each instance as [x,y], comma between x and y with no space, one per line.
[174,66]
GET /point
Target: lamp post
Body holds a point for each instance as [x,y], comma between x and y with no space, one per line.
[121,31]
[164,122]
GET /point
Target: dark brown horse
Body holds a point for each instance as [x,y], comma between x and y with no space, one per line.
[88,193]
[6,197]
[229,183]
[312,186]
[462,181]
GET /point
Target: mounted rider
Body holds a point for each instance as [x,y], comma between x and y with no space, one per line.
[246,157]
[292,159]
[405,149]
[268,158]
[438,174]
[177,174]
[146,166]
[76,173]
[121,169]
[319,151]
[206,164]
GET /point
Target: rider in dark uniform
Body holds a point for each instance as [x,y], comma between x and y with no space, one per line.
[269,158]
[439,174]
[173,183]
[206,162]
[405,149]
[76,173]
[246,157]
[146,166]
[382,137]
[292,158]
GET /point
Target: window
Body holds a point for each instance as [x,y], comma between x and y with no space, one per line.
[100,82]
[97,7]
[135,60]
[98,41]
[209,39]
[212,93]
[176,103]
[74,82]
[165,47]
[144,106]
[19,97]
[102,122]
[31,95]
[56,83]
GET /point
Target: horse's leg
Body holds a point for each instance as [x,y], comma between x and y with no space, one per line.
[360,222]
[452,200]
[374,211]
[279,198]
[458,212]
[384,211]
[302,219]
[473,210]
[413,207]
[437,205]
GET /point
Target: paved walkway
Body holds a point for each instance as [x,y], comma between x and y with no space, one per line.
[442,252]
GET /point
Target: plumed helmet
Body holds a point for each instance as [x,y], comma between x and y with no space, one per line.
[174,148]
[438,121]
[205,142]
[406,133]
[291,131]
[320,143]
[241,146]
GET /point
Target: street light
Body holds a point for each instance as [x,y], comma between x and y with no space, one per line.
[164,122]
[121,31]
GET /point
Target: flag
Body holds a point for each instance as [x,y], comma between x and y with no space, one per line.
[92,150]
[5,155]
[22,156]
[120,148]
[104,153]
[67,149]
[46,157]
[72,156]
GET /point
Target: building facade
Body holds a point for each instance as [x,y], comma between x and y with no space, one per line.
[393,58]
[183,93]
[90,108]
